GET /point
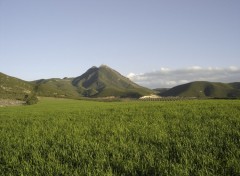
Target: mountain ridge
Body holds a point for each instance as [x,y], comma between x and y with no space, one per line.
[100,81]
[104,81]
[205,89]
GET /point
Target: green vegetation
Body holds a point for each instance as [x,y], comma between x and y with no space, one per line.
[31,99]
[95,82]
[76,137]
[56,87]
[104,81]
[13,88]
[203,89]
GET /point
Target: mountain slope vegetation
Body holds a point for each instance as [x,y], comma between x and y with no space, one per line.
[14,88]
[100,81]
[104,81]
[203,89]
[56,87]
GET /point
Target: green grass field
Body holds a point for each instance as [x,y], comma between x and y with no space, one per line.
[74,137]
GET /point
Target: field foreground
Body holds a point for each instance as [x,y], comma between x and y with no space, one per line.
[72,137]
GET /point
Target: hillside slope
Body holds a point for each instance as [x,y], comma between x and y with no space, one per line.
[14,88]
[203,89]
[104,81]
[100,81]
[56,87]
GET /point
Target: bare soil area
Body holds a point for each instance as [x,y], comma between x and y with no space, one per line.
[8,102]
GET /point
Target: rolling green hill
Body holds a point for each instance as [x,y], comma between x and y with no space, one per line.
[203,89]
[14,88]
[56,87]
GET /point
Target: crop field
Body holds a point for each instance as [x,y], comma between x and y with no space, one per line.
[76,137]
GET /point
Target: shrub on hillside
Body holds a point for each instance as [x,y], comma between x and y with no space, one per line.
[31,99]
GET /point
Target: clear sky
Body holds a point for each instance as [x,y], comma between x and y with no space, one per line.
[58,38]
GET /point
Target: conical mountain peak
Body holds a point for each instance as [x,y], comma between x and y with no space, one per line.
[105,81]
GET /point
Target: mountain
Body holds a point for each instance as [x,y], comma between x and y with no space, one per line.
[14,88]
[203,89]
[100,81]
[104,81]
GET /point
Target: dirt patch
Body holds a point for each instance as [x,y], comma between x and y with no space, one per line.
[8,102]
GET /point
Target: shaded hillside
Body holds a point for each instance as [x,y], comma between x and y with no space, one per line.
[161,90]
[235,85]
[203,89]
[14,88]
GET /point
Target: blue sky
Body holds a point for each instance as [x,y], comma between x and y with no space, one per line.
[58,38]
